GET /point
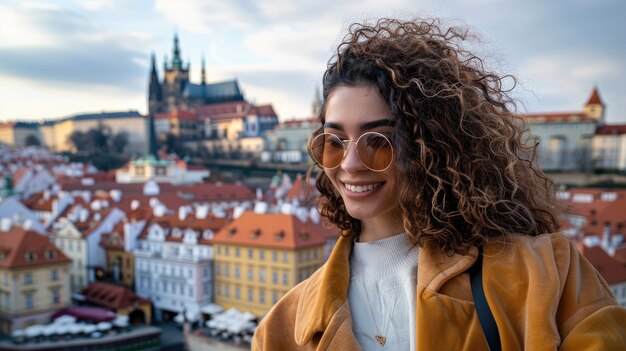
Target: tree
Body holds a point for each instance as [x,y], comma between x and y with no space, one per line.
[32,140]
[119,142]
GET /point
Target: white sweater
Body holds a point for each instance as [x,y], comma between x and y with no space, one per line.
[387,268]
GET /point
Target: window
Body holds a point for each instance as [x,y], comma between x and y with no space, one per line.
[315,254]
[205,289]
[237,293]
[237,272]
[219,250]
[56,297]
[218,289]
[227,270]
[28,301]
[250,253]
[227,251]
[237,252]
[275,277]
[227,292]
[262,275]
[28,278]
[274,297]
[218,269]
[261,254]
[275,256]
[285,278]
[54,275]
[250,294]
[262,296]
[285,257]
[30,256]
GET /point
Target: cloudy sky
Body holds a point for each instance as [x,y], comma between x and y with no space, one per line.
[64,57]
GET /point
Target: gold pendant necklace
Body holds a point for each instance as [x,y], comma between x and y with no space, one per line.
[381,339]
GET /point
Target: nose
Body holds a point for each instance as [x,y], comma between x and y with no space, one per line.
[351,161]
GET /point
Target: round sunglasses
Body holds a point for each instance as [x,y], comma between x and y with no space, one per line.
[373,149]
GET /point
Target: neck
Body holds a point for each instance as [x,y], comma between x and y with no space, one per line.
[378,232]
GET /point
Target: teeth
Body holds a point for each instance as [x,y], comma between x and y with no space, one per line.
[361,188]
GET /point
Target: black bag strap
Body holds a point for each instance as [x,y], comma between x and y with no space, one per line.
[488,324]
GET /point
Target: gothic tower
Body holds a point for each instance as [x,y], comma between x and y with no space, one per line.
[155,94]
[176,77]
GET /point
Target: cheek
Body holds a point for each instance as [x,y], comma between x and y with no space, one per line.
[331,174]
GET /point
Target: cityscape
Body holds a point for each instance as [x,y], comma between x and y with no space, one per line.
[179,224]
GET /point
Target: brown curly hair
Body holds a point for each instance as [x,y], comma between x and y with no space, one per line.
[466,162]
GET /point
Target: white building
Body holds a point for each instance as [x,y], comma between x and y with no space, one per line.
[609,147]
[174,261]
[78,233]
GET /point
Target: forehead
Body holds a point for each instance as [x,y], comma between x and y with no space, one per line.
[354,106]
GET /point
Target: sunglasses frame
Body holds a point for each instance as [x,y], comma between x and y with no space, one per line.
[345,143]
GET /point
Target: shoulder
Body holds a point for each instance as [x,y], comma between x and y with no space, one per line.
[548,271]
[278,326]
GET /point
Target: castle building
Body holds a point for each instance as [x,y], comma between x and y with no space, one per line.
[176,92]
[565,138]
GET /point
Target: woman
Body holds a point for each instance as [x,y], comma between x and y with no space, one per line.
[424,169]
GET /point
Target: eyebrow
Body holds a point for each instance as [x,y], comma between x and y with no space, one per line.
[365,126]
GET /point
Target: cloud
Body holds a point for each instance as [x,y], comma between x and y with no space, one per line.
[200,16]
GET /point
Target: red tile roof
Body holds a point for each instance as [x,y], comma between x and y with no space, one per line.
[112,296]
[191,221]
[611,270]
[272,230]
[24,248]
[115,239]
[263,110]
[599,212]
[594,98]
[557,117]
[217,192]
[36,202]
[611,129]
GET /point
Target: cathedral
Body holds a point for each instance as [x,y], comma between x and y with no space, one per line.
[176,92]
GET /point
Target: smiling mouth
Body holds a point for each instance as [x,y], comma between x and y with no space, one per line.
[361,188]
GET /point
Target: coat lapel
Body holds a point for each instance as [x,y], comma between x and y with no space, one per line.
[324,296]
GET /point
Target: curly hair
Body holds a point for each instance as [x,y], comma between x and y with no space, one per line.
[466,162]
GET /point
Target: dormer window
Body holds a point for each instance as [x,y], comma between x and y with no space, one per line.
[279,236]
[177,233]
[30,256]
[255,233]
[50,254]
[207,234]
[231,232]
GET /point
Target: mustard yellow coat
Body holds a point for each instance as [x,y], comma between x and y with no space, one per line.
[543,295]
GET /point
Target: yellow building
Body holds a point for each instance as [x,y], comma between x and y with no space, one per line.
[260,256]
[34,279]
[56,133]
[120,263]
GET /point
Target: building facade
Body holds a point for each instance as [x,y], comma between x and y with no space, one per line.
[34,279]
[174,262]
[609,148]
[565,139]
[261,256]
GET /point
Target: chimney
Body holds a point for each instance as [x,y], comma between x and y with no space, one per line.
[5,225]
[606,236]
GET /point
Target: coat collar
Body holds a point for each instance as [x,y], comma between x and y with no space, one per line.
[327,290]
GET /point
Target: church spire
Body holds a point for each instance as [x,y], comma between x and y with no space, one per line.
[155,94]
[203,78]
[177,62]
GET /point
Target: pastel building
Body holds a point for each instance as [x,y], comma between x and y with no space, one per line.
[609,148]
[260,256]
[174,261]
[34,279]
[565,138]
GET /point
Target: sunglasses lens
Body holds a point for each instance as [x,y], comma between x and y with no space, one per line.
[327,150]
[375,151]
